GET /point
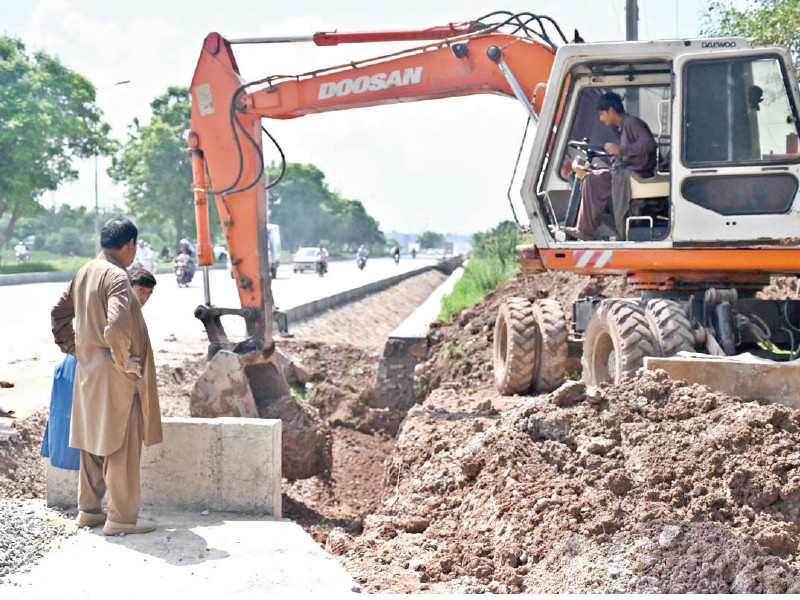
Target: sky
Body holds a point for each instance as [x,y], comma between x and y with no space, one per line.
[441,165]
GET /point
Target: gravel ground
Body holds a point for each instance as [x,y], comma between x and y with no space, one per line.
[27,529]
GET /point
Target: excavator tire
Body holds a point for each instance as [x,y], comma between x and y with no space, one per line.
[617,339]
[553,350]
[671,326]
[516,344]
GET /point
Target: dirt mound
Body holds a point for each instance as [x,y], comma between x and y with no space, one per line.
[461,351]
[781,288]
[341,378]
[21,466]
[648,486]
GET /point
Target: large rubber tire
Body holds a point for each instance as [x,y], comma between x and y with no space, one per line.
[553,351]
[516,340]
[671,326]
[617,339]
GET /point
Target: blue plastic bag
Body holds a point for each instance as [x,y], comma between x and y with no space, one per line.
[55,444]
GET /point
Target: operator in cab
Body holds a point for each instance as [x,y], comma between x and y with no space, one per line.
[636,152]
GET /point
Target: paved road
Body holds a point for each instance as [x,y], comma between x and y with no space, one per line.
[28,355]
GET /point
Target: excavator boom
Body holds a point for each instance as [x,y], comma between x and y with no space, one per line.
[228,167]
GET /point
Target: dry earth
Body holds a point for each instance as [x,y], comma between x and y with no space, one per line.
[652,485]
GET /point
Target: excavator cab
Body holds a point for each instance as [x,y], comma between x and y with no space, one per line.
[703,235]
[725,121]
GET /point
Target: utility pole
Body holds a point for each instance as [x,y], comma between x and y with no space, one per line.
[632,34]
[631,20]
[96,197]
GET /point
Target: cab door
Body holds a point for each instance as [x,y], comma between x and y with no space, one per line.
[736,162]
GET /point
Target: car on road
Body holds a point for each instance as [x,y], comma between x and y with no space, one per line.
[220,252]
[305,260]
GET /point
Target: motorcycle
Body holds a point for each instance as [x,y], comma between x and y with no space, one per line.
[183,270]
[361,261]
[321,266]
[21,254]
[396,257]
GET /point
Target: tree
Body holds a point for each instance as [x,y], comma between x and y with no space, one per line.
[764,22]
[48,118]
[155,167]
[308,211]
[430,239]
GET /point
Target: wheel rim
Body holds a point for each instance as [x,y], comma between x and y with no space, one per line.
[503,340]
[604,358]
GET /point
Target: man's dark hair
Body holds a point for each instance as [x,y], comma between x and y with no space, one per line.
[611,100]
[142,277]
[117,232]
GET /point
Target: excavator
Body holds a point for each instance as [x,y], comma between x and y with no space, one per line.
[720,215]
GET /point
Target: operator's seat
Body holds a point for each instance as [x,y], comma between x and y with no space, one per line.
[656,186]
[649,218]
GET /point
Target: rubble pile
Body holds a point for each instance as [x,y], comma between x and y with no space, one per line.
[652,485]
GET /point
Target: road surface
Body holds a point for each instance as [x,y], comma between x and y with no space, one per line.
[28,354]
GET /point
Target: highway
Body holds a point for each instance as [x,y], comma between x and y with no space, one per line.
[28,354]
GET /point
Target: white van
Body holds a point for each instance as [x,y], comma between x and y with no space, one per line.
[274,237]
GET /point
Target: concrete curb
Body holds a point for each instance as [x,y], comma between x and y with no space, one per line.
[405,348]
[56,276]
[310,309]
[227,464]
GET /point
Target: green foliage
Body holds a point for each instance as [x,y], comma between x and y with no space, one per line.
[42,261]
[493,263]
[309,212]
[69,242]
[48,117]
[302,394]
[430,239]
[26,267]
[154,165]
[456,353]
[62,232]
[765,22]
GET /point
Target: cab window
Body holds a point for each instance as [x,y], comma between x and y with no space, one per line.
[738,111]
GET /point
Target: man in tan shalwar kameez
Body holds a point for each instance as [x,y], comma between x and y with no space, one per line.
[115,400]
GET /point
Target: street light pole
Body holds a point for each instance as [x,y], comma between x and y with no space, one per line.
[96,196]
[96,211]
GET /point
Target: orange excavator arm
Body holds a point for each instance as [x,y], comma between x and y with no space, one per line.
[226,143]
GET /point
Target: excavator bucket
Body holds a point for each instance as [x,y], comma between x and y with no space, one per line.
[234,385]
[743,376]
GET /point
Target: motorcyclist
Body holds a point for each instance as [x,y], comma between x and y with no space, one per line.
[396,254]
[21,251]
[361,255]
[185,248]
[322,259]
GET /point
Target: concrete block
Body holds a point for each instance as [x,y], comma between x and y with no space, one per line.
[226,464]
[747,379]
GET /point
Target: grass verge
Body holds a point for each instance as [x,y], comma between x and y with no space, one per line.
[480,276]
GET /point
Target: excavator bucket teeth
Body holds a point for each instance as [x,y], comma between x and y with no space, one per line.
[743,376]
[231,383]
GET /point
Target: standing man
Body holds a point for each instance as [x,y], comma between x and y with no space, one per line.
[635,152]
[115,400]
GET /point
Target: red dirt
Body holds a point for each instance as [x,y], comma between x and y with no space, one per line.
[650,486]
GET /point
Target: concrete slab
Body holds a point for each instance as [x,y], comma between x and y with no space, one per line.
[226,464]
[416,324]
[743,376]
[189,556]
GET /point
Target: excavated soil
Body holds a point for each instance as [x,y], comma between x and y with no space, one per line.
[649,486]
